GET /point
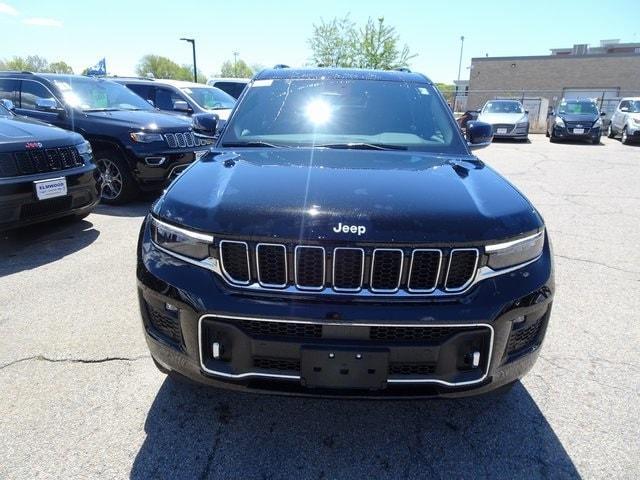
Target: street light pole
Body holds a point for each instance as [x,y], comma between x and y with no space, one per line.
[235,63]
[193,47]
[460,62]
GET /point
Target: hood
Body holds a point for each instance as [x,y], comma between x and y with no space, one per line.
[306,194]
[16,131]
[588,118]
[495,118]
[140,120]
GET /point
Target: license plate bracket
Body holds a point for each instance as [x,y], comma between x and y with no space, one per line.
[344,368]
[50,188]
[578,131]
[501,131]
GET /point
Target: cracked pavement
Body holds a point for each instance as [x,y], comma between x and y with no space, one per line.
[80,397]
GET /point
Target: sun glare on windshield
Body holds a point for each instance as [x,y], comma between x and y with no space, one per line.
[318,111]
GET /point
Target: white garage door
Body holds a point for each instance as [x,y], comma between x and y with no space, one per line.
[593,93]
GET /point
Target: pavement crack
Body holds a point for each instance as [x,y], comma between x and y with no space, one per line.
[593,262]
[42,358]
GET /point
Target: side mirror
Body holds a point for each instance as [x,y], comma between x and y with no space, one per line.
[551,113]
[8,104]
[526,112]
[603,114]
[47,105]
[479,134]
[205,123]
[624,109]
[181,106]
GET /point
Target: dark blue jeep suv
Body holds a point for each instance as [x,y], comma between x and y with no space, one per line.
[341,239]
[136,147]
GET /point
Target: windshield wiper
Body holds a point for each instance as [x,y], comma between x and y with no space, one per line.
[363,146]
[251,144]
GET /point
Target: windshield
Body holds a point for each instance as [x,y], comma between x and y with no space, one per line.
[578,108]
[210,98]
[503,107]
[4,111]
[634,106]
[89,94]
[338,112]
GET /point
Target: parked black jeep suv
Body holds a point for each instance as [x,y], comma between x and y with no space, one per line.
[45,172]
[341,239]
[136,147]
[575,120]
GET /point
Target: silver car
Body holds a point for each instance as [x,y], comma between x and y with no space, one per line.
[508,118]
[625,121]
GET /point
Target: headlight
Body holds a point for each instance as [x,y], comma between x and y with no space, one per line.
[145,137]
[180,241]
[597,123]
[515,252]
[559,122]
[84,148]
[523,123]
[635,120]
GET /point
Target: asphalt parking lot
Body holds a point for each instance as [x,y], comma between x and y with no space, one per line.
[80,397]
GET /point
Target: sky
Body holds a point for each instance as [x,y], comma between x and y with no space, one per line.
[271,32]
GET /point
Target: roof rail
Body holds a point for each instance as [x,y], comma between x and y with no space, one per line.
[403,69]
[281,65]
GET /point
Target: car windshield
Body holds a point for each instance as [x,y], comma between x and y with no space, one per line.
[343,113]
[578,108]
[503,107]
[634,106]
[90,94]
[210,98]
[4,111]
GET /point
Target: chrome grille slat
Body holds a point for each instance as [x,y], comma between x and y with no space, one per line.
[384,270]
[182,140]
[344,270]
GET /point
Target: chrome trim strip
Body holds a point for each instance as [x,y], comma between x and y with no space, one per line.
[226,275]
[373,261]
[349,324]
[286,267]
[435,284]
[187,233]
[471,279]
[502,246]
[333,272]
[324,268]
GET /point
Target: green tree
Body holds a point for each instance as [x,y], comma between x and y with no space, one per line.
[163,67]
[236,69]
[32,63]
[447,90]
[335,43]
[60,67]
[339,43]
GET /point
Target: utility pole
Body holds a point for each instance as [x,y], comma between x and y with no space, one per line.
[235,63]
[460,62]
[195,68]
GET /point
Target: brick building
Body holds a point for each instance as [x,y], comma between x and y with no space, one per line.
[603,73]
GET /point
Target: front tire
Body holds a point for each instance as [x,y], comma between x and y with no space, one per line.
[610,132]
[117,185]
[625,137]
[596,141]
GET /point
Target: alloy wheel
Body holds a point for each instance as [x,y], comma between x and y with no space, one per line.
[110,179]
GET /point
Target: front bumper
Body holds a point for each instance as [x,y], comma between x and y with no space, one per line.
[569,134]
[19,205]
[517,131]
[154,170]
[269,344]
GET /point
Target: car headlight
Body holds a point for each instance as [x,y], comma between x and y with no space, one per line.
[523,122]
[180,241]
[597,123]
[635,121]
[559,122]
[146,137]
[515,252]
[84,148]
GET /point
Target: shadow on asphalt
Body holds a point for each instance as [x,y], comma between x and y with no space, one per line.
[135,209]
[43,243]
[196,432]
